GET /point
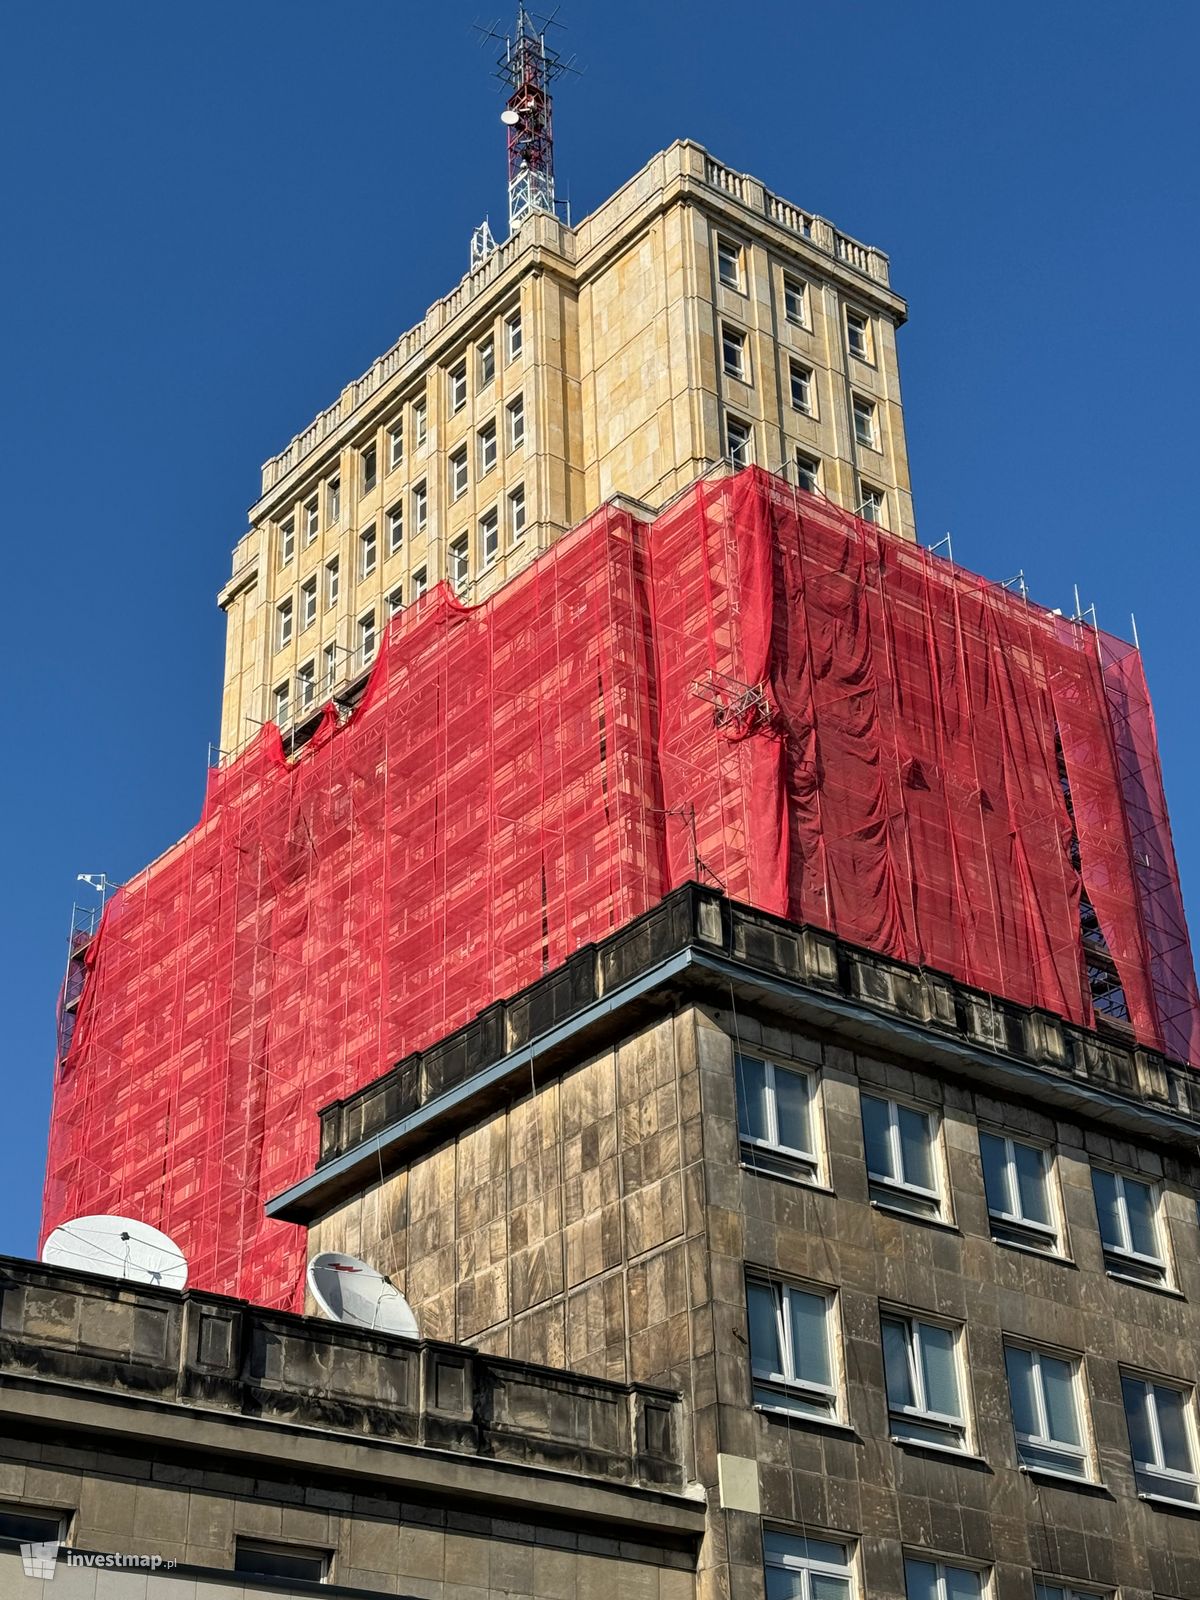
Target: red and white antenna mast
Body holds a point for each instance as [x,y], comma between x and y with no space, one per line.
[528,66]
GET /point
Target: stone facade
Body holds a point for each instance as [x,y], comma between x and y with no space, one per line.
[580,1190]
[596,358]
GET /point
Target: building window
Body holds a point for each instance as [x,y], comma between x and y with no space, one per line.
[858,335]
[1162,1439]
[396,600]
[938,1580]
[775,1115]
[738,442]
[1044,1391]
[460,565]
[333,583]
[489,536]
[366,637]
[487,449]
[794,299]
[729,264]
[871,504]
[395,520]
[312,520]
[791,1348]
[516,423]
[370,468]
[808,473]
[287,541]
[368,551]
[281,1561]
[283,623]
[801,383]
[329,666]
[864,420]
[306,684]
[282,710]
[1128,1214]
[308,603]
[459,474]
[1016,1179]
[899,1143]
[458,386]
[1051,1589]
[516,514]
[801,1568]
[420,422]
[333,499]
[420,501]
[923,1386]
[395,444]
[19,1526]
[487,362]
[420,583]
[514,339]
[733,353]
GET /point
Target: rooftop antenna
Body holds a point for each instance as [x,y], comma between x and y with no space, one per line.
[528,66]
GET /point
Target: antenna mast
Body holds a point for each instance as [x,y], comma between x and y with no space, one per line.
[529,67]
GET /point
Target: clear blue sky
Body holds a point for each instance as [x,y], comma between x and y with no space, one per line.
[215,216]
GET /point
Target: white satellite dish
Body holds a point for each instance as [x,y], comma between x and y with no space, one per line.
[348,1290]
[118,1247]
[510,118]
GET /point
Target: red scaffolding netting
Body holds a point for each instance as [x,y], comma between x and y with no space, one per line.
[757,690]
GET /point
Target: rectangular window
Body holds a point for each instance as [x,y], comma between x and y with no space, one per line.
[395,519]
[283,624]
[395,444]
[306,684]
[420,503]
[775,1116]
[19,1526]
[366,637]
[282,708]
[923,1385]
[791,1348]
[802,1568]
[329,666]
[514,339]
[420,422]
[370,468]
[419,583]
[308,603]
[516,423]
[333,499]
[870,504]
[458,386]
[287,541]
[1162,1440]
[333,583]
[864,420]
[858,335]
[901,1162]
[1016,1179]
[459,474]
[1046,1413]
[733,353]
[1127,1210]
[281,1561]
[801,383]
[312,520]
[808,473]
[729,263]
[460,565]
[487,449]
[516,514]
[794,296]
[487,362]
[489,536]
[368,547]
[738,442]
[938,1580]
[1052,1589]
[396,600]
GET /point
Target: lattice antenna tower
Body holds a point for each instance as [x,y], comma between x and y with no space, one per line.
[527,65]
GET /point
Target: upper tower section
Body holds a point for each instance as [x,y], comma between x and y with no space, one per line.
[693,319]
